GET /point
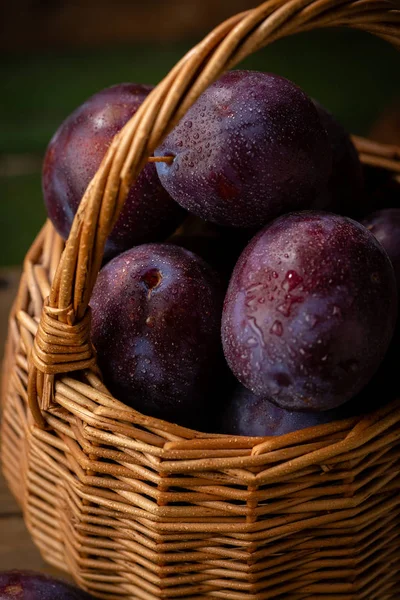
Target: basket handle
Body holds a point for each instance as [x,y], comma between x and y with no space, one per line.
[62,343]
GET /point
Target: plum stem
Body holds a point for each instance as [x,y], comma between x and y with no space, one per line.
[166,159]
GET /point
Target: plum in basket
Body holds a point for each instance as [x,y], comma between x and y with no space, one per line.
[310,311]
[251,148]
[247,414]
[27,585]
[73,156]
[156,328]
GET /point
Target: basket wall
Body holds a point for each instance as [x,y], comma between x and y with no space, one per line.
[135,508]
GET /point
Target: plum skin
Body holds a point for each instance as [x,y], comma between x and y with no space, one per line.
[385,226]
[73,156]
[249,415]
[310,311]
[251,148]
[156,314]
[28,585]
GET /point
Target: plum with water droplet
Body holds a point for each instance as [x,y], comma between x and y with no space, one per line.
[156,328]
[251,148]
[250,415]
[28,585]
[73,156]
[310,310]
[344,193]
[385,225]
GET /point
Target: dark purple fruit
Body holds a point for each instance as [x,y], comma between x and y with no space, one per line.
[27,585]
[74,155]
[310,311]
[251,148]
[385,225]
[247,414]
[156,328]
[344,193]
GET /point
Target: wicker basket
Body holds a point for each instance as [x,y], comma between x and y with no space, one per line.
[138,508]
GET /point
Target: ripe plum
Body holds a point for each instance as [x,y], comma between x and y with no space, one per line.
[251,148]
[156,328]
[247,414]
[73,156]
[310,311]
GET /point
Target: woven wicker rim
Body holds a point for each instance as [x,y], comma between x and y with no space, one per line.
[62,342]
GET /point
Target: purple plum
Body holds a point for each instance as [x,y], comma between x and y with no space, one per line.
[247,414]
[27,585]
[310,311]
[74,155]
[251,148]
[156,328]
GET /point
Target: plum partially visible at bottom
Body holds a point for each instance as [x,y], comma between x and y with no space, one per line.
[249,415]
[28,585]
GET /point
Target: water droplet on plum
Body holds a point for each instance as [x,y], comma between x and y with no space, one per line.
[277,328]
[291,281]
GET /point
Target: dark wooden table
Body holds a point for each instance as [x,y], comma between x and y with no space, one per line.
[17,550]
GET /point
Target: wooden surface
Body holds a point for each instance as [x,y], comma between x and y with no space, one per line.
[17,551]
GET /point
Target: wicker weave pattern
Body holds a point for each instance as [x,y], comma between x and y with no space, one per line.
[136,508]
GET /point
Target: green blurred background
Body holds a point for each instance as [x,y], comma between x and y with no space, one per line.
[53,57]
